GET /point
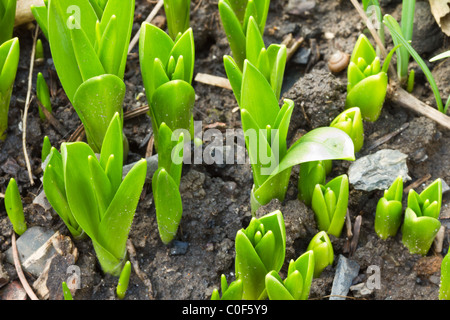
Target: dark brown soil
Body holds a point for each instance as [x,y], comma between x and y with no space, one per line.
[216,198]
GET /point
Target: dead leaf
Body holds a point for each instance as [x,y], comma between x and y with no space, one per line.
[441,13]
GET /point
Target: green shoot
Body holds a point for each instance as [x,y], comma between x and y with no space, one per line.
[7,15]
[177,14]
[321,245]
[43,95]
[14,207]
[91,197]
[395,31]
[124,280]
[9,61]
[66,291]
[388,216]
[232,291]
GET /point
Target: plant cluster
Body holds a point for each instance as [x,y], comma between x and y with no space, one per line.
[421,221]
[167,69]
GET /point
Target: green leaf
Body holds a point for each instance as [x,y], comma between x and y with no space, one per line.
[321,245]
[418,233]
[9,61]
[41,16]
[305,264]
[115,225]
[178,16]
[249,267]
[79,190]
[123,11]
[173,103]
[254,42]
[234,75]
[113,167]
[88,62]
[185,47]
[168,204]
[254,84]
[124,280]
[234,32]
[14,207]
[368,95]
[96,101]
[148,52]
[59,32]
[7,20]
[43,94]
[275,287]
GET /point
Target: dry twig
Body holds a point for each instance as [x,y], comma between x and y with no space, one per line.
[27,105]
[19,270]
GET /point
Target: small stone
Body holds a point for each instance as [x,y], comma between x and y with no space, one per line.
[379,170]
[346,271]
[35,248]
[14,291]
[179,248]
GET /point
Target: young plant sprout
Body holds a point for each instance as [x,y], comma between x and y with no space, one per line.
[167,71]
[66,291]
[91,193]
[178,16]
[9,61]
[39,53]
[89,53]
[367,80]
[271,61]
[329,203]
[124,280]
[297,284]
[7,15]
[166,184]
[43,95]
[265,127]
[14,207]
[397,37]
[388,216]
[323,252]
[350,121]
[312,173]
[232,291]
[46,149]
[235,16]
[260,248]
[421,222]
[444,286]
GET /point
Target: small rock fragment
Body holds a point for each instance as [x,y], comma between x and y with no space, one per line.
[379,170]
[346,271]
[179,248]
[14,291]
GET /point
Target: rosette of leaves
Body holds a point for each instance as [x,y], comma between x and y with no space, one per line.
[350,121]
[421,222]
[177,15]
[329,203]
[91,197]
[388,216]
[235,16]
[270,62]
[265,127]
[232,291]
[321,245]
[167,69]
[260,248]
[7,16]
[312,173]
[367,79]
[297,284]
[89,44]
[9,61]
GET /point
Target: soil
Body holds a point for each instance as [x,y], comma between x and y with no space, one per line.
[216,198]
